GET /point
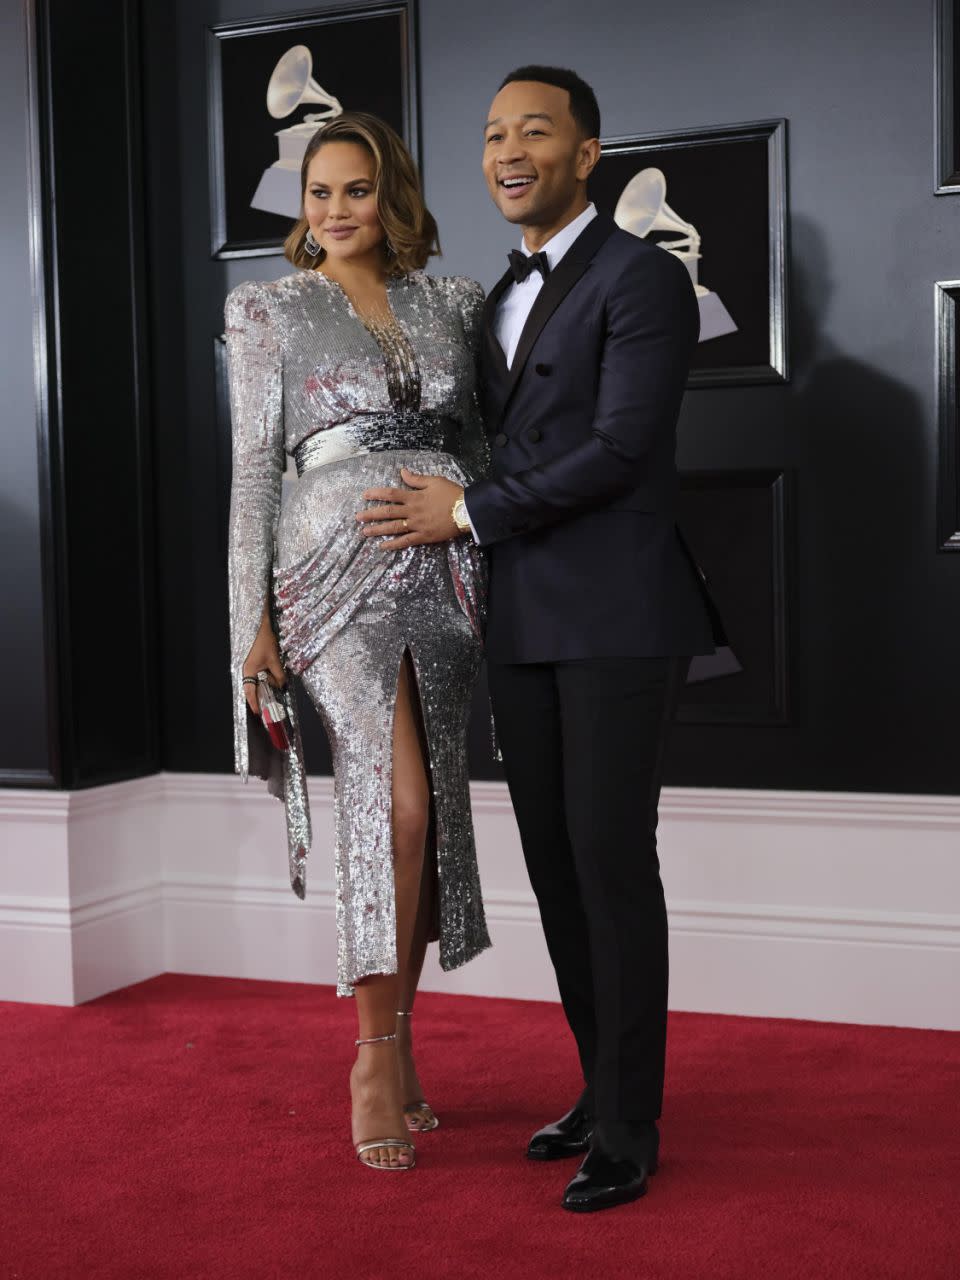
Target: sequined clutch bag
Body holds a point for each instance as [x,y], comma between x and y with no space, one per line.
[273,713]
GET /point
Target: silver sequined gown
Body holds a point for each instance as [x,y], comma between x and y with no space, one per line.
[352,404]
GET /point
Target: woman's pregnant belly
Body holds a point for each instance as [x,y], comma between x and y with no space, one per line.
[319,509]
[326,570]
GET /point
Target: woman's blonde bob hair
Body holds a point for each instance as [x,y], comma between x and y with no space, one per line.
[409,226]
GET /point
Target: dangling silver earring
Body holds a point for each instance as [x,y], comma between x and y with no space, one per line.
[310,244]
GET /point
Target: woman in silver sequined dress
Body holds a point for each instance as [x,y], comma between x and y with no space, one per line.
[356,365]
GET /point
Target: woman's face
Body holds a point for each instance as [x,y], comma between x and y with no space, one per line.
[340,201]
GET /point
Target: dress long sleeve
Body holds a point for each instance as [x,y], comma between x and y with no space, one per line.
[475,449]
[255,367]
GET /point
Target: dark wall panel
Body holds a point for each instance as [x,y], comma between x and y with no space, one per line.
[739,526]
[95,426]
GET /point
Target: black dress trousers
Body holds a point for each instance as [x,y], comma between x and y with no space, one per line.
[583,746]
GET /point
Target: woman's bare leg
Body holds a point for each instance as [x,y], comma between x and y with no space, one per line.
[376,1078]
[411,1088]
[415,780]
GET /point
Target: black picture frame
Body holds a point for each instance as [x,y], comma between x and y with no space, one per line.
[946,98]
[739,526]
[744,232]
[948,416]
[373,40]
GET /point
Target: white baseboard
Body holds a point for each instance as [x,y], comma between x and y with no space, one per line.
[784,904]
[55,952]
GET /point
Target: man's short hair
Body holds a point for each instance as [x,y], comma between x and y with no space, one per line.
[583,101]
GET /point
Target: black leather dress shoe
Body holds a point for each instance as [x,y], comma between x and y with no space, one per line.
[570,1136]
[602,1182]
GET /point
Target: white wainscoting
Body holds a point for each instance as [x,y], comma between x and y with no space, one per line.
[786,904]
[81,890]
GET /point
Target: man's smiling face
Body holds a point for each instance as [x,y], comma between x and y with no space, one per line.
[533,156]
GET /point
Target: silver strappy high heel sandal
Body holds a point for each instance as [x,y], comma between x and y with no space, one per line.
[421,1106]
[363,1147]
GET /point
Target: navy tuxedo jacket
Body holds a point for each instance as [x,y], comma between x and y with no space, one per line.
[579,507]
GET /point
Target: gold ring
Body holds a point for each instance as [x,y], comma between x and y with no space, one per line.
[406,524]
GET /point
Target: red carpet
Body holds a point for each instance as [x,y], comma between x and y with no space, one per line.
[198,1127]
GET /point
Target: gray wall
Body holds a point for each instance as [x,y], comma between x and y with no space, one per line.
[23,728]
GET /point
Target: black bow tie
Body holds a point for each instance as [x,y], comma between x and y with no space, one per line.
[522,264]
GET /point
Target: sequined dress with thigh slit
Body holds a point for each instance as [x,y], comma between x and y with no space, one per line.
[353,402]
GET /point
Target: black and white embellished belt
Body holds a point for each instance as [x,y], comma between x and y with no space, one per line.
[375,433]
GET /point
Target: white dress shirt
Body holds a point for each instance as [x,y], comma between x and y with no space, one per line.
[518,299]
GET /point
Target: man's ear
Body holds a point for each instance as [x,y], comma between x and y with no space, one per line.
[588,155]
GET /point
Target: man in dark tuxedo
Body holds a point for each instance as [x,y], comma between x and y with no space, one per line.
[595,606]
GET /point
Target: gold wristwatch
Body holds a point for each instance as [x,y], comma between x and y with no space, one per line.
[458,513]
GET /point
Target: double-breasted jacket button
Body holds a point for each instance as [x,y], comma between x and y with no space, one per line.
[500,439]
[544,370]
[535,435]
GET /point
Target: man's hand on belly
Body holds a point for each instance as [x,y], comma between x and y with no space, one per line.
[414,515]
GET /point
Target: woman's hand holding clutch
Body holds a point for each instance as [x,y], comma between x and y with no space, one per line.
[264,655]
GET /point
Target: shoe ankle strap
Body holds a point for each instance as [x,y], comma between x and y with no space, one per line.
[404,1013]
[376,1039]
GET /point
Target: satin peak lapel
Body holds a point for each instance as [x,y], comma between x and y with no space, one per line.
[494,351]
[493,362]
[492,300]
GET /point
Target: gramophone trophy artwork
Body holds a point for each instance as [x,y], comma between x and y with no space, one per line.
[291,84]
[643,210]
[714,198]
